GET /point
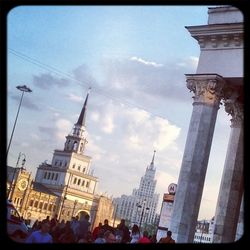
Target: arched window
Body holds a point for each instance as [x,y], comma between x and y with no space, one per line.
[79,181]
[52,177]
[49,176]
[83,170]
[87,184]
[83,182]
[81,147]
[73,165]
[79,167]
[75,145]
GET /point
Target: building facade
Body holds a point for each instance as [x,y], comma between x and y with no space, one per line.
[62,189]
[140,207]
[204,231]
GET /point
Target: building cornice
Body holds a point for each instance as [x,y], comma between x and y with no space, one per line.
[218,36]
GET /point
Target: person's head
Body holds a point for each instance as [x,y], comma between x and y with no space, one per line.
[169,233]
[45,227]
[135,229]
[106,222]
[47,218]
[145,234]
[122,222]
[100,224]
[109,237]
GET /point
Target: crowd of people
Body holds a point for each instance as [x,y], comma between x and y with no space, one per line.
[78,231]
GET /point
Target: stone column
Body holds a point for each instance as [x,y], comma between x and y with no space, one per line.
[231,188]
[240,226]
[208,92]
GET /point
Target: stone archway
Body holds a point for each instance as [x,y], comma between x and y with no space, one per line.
[81,213]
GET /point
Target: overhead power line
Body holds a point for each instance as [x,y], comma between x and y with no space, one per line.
[97,89]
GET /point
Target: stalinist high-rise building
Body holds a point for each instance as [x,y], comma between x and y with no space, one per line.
[140,207]
[69,175]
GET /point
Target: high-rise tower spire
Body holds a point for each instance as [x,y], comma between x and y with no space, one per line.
[82,117]
[152,162]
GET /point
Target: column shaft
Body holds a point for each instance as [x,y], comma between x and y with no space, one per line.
[207,89]
[231,188]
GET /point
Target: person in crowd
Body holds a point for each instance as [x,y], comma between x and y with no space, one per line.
[96,230]
[67,235]
[100,237]
[167,239]
[123,232]
[107,227]
[74,225]
[83,228]
[144,238]
[42,235]
[135,234]
[153,239]
[109,237]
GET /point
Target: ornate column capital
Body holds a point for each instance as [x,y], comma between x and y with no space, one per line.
[208,88]
[234,107]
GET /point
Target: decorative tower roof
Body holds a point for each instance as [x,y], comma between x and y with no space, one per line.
[82,117]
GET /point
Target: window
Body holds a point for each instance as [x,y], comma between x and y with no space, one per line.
[83,170]
[83,182]
[45,206]
[50,207]
[65,164]
[60,163]
[79,181]
[31,203]
[75,180]
[45,175]
[56,176]
[87,184]
[73,165]
[48,176]
[36,204]
[81,147]
[56,163]
[52,177]
[79,167]
[41,205]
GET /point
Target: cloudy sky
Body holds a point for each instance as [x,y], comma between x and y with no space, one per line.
[134,59]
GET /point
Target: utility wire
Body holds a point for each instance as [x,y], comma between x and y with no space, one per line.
[95,88]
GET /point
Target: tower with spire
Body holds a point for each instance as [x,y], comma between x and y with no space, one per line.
[130,207]
[69,174]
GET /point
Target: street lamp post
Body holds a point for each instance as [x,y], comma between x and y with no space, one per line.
[75,202]
[13,183]
[143,206]
[23,88]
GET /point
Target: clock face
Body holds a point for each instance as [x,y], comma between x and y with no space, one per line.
[22,184]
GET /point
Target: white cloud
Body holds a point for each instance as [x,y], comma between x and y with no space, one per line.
[63,127]
[75,98]
[108,124]
[138,59]
[95,116]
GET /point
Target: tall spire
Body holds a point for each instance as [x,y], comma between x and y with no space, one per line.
[81,119]
[153,159]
